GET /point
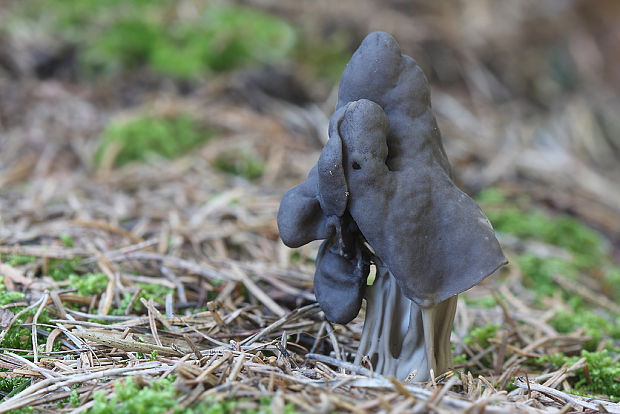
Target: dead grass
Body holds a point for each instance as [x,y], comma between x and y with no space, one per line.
[240,321]
[214,241]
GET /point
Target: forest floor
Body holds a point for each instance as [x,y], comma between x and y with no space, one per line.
[147,277]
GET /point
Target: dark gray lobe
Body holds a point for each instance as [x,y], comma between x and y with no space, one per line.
[333,192]
[385,175]
[339,283]
[434,238]
[378,72]
[300,218]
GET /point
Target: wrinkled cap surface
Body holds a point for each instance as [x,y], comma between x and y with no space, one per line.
[379,72]
[332,185]
[300,217]
[385,165]
[434,239]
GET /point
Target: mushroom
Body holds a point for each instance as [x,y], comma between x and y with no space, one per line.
[382,194]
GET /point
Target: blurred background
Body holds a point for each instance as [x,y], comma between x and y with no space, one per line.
[526,93]
[183,122]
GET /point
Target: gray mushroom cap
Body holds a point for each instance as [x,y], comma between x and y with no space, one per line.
[379,72]
[385,166]
[432,237]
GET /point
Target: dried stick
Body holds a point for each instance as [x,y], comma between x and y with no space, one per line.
[35,344]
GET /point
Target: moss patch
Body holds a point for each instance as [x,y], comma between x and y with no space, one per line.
[600,376]
[588,252]
[562,231]
[596,326]
[147,291]
[89,283]
[160,397]
[146,137]
[481,335]
[130,398]
[160,35]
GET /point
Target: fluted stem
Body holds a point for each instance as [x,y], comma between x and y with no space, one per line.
[400,337]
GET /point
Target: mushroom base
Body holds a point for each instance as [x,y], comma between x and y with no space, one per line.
[401,337]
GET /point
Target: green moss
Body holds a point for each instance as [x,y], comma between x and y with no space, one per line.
[125,301]
[563,231]
[17,260]
[491,195]
[124,44]
[74,398]
[587,245]
[8,297]
[149,291]
[594,325]
[589,253]
[210,406]
[240,163]
[218,39]
[483,302]
[12,386]
[612,281]
[145,137]
[69,17]
[62,269]
[88,284]
[154,291]
[237,37]
[114,35]
[67,240]
[160,397]
[589,258]
[460,359]
[24,410]
[538,272]
[602,376]
[481,335]
[18,337]
[183,56]
[129,398]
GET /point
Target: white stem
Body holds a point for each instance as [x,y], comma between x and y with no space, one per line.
[400,337]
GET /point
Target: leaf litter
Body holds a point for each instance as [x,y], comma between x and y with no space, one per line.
[201,293]
[237,319]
